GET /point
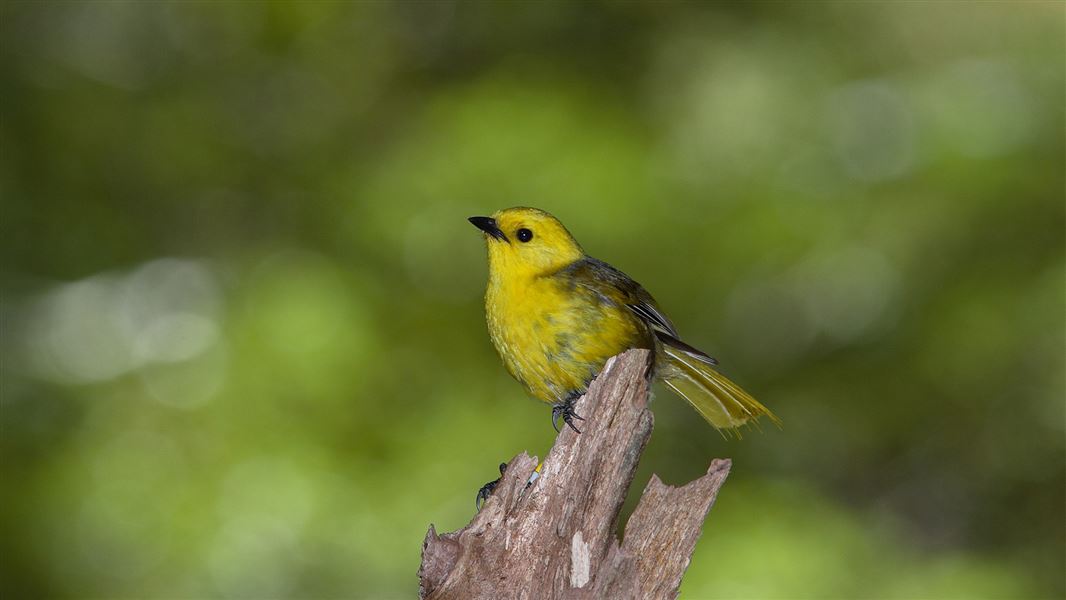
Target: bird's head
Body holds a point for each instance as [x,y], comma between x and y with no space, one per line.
[526,242]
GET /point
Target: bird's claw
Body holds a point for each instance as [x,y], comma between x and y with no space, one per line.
[565,409]
[487,489]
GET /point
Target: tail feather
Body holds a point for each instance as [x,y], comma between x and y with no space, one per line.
[720,401]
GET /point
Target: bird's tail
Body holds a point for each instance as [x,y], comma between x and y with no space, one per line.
[721,402]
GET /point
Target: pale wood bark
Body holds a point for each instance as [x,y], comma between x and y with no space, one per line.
[555,538]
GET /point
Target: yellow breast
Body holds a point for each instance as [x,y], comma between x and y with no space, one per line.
[554,338]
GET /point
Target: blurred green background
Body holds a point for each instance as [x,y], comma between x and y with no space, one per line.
[244,353]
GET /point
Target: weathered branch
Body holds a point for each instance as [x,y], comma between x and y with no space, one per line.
[555,538]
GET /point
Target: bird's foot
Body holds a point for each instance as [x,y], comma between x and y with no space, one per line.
[565,409]
[487,489]
[490,487]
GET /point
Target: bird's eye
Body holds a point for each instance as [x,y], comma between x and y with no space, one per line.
[524,235]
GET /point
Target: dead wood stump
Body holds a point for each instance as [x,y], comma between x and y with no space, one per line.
[555,539]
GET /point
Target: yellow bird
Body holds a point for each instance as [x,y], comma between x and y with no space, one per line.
[556,315]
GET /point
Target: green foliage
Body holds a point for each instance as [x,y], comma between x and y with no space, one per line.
[243,344]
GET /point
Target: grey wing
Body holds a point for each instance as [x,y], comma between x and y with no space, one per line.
[665,332]
[696,353]
[643,305]
[653,317]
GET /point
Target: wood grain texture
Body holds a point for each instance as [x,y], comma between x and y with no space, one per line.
[555,538]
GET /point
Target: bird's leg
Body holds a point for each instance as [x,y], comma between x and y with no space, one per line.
[487,489]
[565,409]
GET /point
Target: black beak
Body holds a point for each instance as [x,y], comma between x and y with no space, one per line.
[488,225]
